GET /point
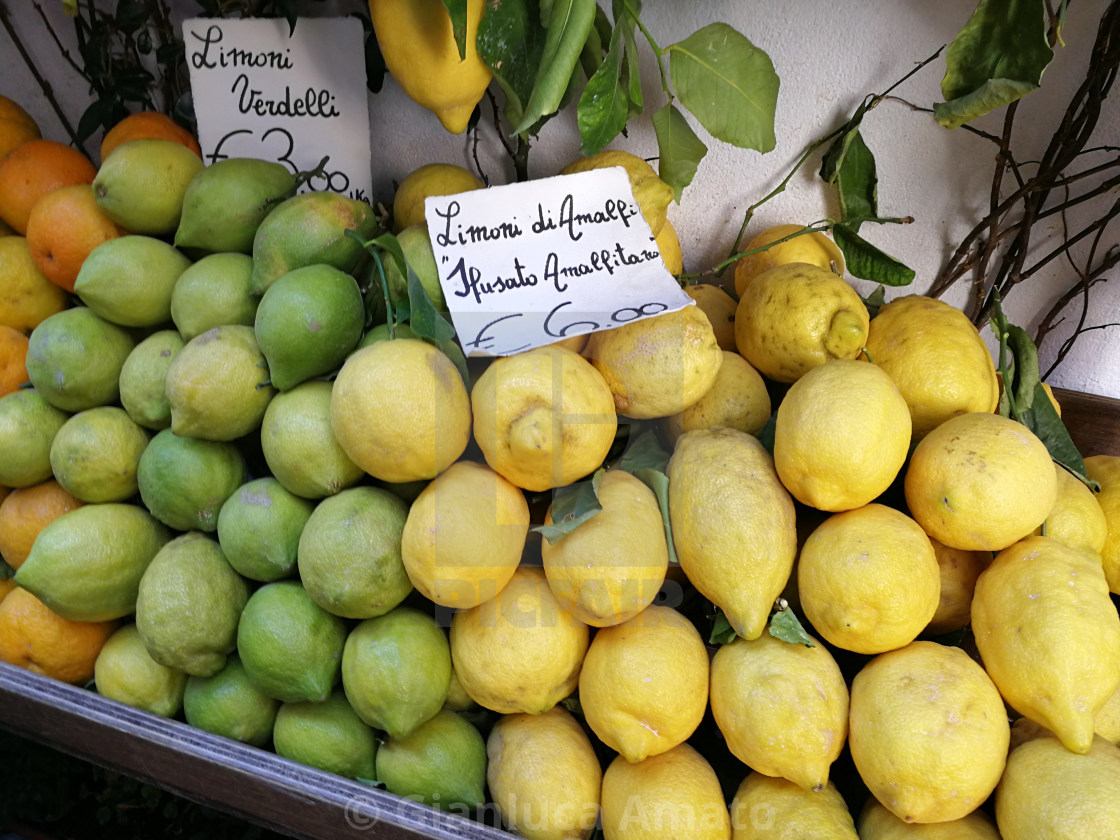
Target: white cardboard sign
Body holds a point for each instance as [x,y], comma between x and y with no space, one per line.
[263,92]
[528,264]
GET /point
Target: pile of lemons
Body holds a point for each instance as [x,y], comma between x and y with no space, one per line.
[302,527]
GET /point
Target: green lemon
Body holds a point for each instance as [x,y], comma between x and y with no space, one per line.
[185,481]
[442,763]
[228,704]
[87,564]
[28,424]
[125,672]
[396,670]
[290,646]
[213,292]
[95,454]
[188,606]
[299,446]
[417,246]
[226,202]
[74,359]
[350,553]
[141,184]
[143,379]
[306,323]
[128,280]
[326,735]
[381,333]
[259,528]
[218,385]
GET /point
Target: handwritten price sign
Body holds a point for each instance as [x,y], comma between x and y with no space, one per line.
[529,264]
[263,92]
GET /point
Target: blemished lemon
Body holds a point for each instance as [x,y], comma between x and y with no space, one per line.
[936,357]
[1048,791]
[868,579]
[400,410]
[327,735]
[543,418]
[657,366]
[841,436]
[464,535]
[126,672]
[672,794]
[611,567]
[95,454]
[141,184]
[959,570]
[1049,635]
[1105,469]
[431,179]
[184,481]
[796,316]
[877,823]
[1076,519]
[733,524]
[544,775]
[738,399]
[781,707]
[813,248]
[928,732]
[143,379]
[652,194]
[644,683]
[520,651]
[74,359]
[669,244]
[259,527]
[418,45]
[980,481]
[773,808]
[719,306]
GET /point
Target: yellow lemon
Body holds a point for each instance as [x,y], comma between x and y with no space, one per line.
[1048,791]
[658,366]
[868,579]
[738,399]
[936,357]
[543,418]
[675,794]
[1076,519]
[1105,469]
[610,567]
[841,436]
[769,808]
[980,481]
[929,733]
[126,672]
[1049,635]
[419,49]
[877,823]
[959,570]
[644,683]
[813,248]
[733,524]
[400,410]
[544,775]
[719,306]
[431,179]
[652,194]
[783,708]
[464,535]
[797,316]
[669,244]
[1107,721]
[520,651]
[27,297]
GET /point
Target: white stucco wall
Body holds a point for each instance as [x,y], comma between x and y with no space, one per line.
[828,56]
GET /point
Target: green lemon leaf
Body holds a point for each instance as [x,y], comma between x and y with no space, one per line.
[631,69]
[426,321]
[1043,420]
[785,626]
[457,9]
[569,23]
[572,505]
[603,106]
[728,84]
[866,261]
[679,148]
[1026,367]
[857,183]
[998,57]
[875,300]
[510,41]
[645,452]
[658,482]
[766,433]
[722,632]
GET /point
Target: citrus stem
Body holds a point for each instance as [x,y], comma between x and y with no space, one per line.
[821,226]
[658,52]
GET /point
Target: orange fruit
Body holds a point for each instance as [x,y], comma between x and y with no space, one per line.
[27,297]
[35,638]
[64,226]
[13,354]
[16,126]
[25,512]
[144,125]
[34,169]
